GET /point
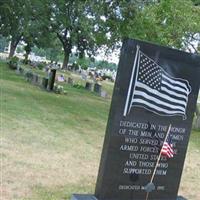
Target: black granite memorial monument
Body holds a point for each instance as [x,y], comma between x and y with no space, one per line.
[149,124]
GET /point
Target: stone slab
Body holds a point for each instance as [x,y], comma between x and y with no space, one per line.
[92,197]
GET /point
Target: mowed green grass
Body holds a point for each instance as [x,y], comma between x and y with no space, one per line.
[51,144]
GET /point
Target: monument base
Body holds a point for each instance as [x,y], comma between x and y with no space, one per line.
[83,197]
[92,197]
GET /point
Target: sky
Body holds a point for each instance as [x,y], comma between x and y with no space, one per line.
[112,57]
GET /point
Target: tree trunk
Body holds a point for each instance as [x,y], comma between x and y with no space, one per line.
[26,58]
[66,60]
[12,49]
[81,54]
[13,46]
[28,51]
[67,46]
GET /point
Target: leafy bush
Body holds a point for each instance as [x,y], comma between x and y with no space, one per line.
[84,67]
[13,62]
[41,66]
[59,89]
[78,86]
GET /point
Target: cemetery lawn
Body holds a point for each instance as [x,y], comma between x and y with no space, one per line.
[51,144]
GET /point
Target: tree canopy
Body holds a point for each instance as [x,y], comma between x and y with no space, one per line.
[171,23]
[63,25]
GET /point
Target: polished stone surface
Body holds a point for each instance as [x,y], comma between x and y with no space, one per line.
[133,139]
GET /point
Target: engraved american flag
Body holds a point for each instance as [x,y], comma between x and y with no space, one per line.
[157,91]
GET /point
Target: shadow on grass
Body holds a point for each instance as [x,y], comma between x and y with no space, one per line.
[61,192]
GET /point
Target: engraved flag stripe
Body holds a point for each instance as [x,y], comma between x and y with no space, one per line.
[176,82]
[162,95]
[150,106]
[178,89]
[157,91]
[173,93]
[151,98]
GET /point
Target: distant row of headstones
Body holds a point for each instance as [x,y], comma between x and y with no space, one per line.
[93,87]
[47,83]
[36,79]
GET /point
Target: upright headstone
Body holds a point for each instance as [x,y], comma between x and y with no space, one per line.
[88,86]
[97,88]
[44,82]
[149,123]
[39,80]
[104,94]
[21,70]
[70,81]
[35,79]
[29,76]
[52,76]
[18,70]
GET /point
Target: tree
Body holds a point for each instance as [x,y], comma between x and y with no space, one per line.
[26,20]
[27,49]
[14,20]
[196,2]
[157,21]
[72,22]
[37,32]
[54,51]
[88,25]
[112,20]
[171,23]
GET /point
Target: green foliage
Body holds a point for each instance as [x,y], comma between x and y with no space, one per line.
[72,58]
[76,24]
[59,89]
[3,43]
[15,17]
[41,66]
[53,54]
[28,47]
[84,63]
[169,23]
[196,2]
[58,26]
[78,86]
[39,51]
[20,49]
[13,62]
[27,19]
[103,64]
